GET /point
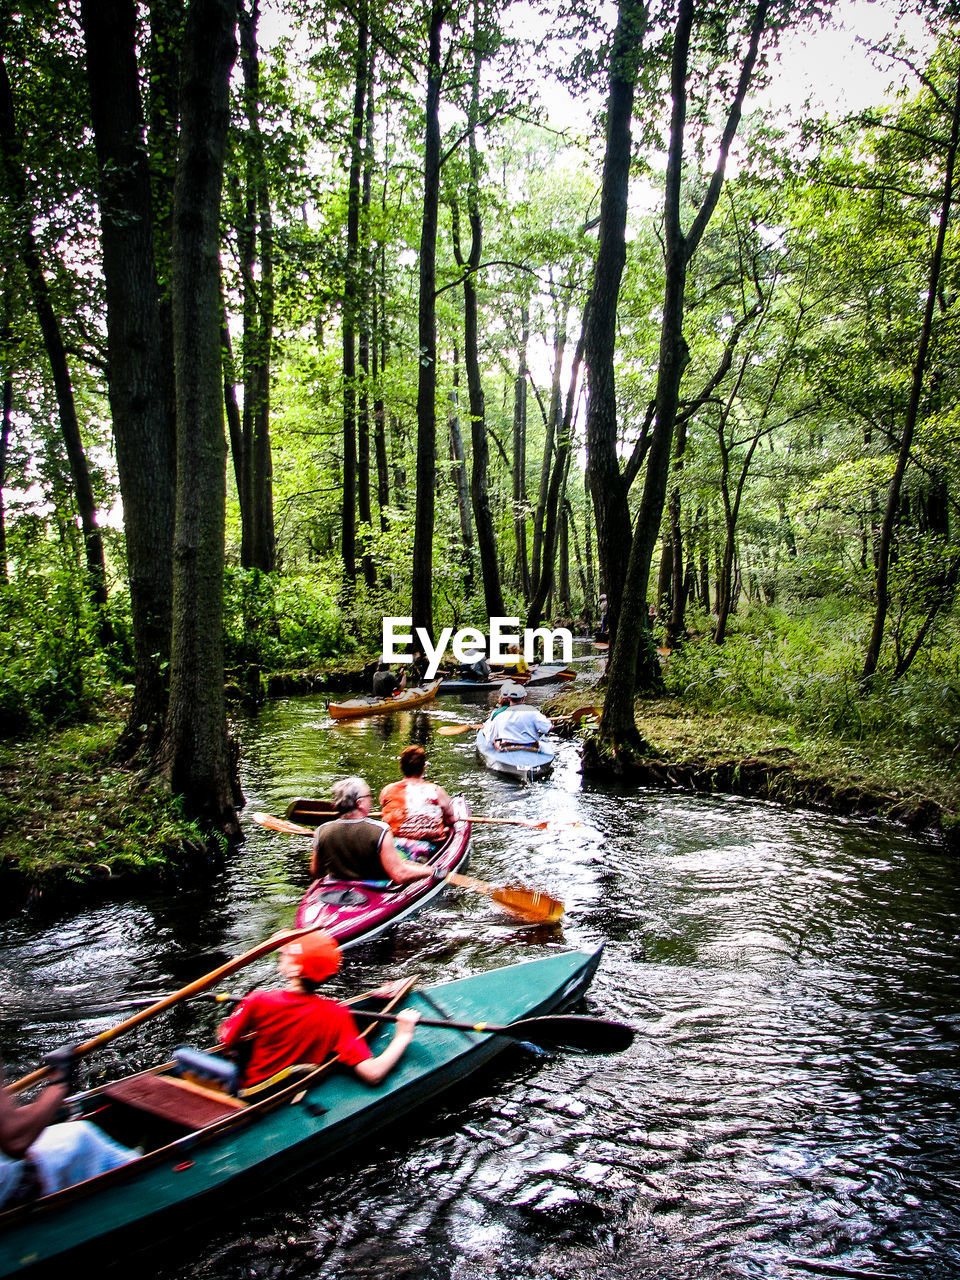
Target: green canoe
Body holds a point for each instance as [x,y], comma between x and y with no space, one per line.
[308,1118]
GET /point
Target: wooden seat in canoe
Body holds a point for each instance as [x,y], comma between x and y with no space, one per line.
[189,1105]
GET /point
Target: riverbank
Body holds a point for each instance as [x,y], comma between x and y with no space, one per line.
[71,819]
[759,756]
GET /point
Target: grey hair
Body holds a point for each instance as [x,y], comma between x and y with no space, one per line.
[347,792]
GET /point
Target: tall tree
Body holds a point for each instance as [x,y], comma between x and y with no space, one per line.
[351,302]
[520,455]
[479,480]
[139,380]
[608,490]
[421,604]
[617,726]
[258,541]
[195,754]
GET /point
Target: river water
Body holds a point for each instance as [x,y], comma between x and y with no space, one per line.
[788,1108]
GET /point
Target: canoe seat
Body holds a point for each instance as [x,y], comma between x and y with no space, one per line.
[344,896]
[210,1069]
[190,1105]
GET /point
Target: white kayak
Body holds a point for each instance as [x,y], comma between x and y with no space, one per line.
[524,763]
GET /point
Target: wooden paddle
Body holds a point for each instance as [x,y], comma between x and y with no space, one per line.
[165,1002]
[286,827]
[578,1030]
[529,904]
[577,716]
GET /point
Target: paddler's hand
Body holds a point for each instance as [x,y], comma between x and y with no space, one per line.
[407,1019]
[63,1064]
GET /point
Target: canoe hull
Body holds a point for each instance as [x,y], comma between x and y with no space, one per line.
[526,766]
[356,708]
[143,1203]
[551,673]
[356,912]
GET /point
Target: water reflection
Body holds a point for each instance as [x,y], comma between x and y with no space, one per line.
[788,1110]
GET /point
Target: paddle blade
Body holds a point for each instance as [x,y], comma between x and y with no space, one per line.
[281,824]
[576,1031]
[529,904]
[448,730]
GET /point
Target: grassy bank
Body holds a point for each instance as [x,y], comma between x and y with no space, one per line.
[70,816]
[715,749]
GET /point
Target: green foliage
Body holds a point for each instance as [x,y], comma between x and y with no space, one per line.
[277,622]
[74,815]
[803,667]
[51,666]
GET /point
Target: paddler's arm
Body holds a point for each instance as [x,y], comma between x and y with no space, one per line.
[20,1126]
[316,870]
[446,807]
[373,1070]
[400,870]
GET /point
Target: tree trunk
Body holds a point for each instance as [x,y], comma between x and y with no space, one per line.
[195,754]
[351,294]
[365,336]
[556,489]
[520,457]
[380,421]
[632,668]
[551,427]
[6,412]
[461,483]
[607,488]
[140,382]
[872,656]
[421,606]
[16,189]
[260,539]
[480,462]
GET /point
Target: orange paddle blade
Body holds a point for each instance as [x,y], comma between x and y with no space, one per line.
[528,904]
[281,824]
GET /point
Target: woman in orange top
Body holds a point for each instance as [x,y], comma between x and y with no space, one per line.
[413,808]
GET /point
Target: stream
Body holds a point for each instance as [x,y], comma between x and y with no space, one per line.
[789,1107]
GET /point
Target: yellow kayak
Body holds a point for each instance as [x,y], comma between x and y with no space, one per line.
[372,706]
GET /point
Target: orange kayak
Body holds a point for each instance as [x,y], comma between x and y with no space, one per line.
[372,706]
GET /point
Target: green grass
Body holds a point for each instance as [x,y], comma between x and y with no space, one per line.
[69,813]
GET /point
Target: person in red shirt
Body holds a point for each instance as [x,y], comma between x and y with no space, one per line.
[297,1025]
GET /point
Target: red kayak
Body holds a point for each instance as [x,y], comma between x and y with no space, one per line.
[355,911]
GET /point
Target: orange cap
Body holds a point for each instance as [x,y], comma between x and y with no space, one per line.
[316,955]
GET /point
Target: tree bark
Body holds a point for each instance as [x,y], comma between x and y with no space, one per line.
[259,540]
[461,484]
[140,382]
[520,457]
[351,293]
[480,462]
[365,336]
[634,667]
[421,606]
[195,754]
[607,488]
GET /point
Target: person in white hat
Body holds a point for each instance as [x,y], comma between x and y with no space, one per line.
[516,725]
